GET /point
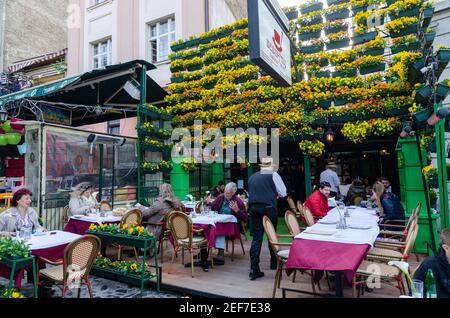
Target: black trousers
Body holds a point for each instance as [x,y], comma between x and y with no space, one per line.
[257,212]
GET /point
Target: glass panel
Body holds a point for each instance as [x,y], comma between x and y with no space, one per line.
[153,31]
[163,49]
[172,37]
[153,51]
[104,60]
[172,25]
[95,49]
[164,28]
[95,62]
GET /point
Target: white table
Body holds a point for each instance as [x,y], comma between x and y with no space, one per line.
[211,219]
[358,217]
[49,240]
[109,218]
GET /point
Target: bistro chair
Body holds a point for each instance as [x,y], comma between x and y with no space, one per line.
[356,200]
[282,255]
[292,223]
[133,216]
[79,257]
[292,206]
[183,234]
[309,218]
[66,217]
[240,223]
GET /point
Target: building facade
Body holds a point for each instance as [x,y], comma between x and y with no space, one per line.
[116,31]
[30,28]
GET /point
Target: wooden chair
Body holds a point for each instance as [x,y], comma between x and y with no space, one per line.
[79,256]
[183,234]
[292,223]
[133,216]
[66,215]
[292,206]
[356,200]
[282,255]
[309,218]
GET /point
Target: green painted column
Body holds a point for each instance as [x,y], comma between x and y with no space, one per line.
[179,179]
[217,173]
[308,187]
[412,191]
[442,170]
[142,102]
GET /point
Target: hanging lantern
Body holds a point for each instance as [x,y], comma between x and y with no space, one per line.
[3,114]
[329,136]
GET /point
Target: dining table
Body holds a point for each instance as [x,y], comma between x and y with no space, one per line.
[326,246]
[80,224]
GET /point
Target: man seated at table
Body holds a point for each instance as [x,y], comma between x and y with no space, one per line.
[317,202]
[440,265]
[228,203]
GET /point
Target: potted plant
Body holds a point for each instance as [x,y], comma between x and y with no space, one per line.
[176,66]
[405,43]
[345,70]
[362,34]
[423,90]
[421,115]
[431,175]
[291,12]
[336,12]
[373,47]
[427,14]
[333,2]
[335,26]
[188,163]
[443,88]
[316,46]
[311,6]
[310,18]
[338,40]
[402,26]
[370,64]
[309,32]
[443,53]
[313,148]
[429,35]
[404,8]
[194,64]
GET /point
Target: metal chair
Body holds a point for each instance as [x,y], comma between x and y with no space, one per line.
[79,256]
[131,217]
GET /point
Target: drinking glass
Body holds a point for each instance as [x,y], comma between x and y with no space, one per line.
[418,287]
[27,233]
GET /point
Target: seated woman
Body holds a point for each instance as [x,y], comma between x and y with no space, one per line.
[80,201]
[21,215]
[388,203]
[165,203]
[357,189]
[228,203]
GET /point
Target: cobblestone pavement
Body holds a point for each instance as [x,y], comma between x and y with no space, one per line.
[102,288]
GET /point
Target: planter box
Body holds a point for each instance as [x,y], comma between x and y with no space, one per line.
[309,35]
[311,48]
[324,103]
[178,79]
[373,51]
[152,148]
[418,64]
[316,20]
[135,241]
[429,37]
[343,14]
[312,8]
[20,262]
[176,69]
[292,15]
[364,37]
[321,121]
[442,90]
[196,67]
[372,69]
[356,10]
[406,13]
[336,29]
[398,112]
[443,55]
[421,116]
[389,2]
[322,74]
[433,183]
[331,2]
[424,91]
[340,102]
[187,44]
[207,40]
[342,119]
[152,133]
[405,47]
[409,30]
[346,73]
[117,275]
[338,44]
[426,16]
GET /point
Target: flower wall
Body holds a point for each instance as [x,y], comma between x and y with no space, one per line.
[357,66]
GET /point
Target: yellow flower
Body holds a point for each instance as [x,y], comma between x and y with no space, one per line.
[125,226]
[130,231]
[92,227]
[16,295]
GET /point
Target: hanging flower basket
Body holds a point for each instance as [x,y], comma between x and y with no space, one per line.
[374,51]
[443,54]
[342,14]
[405,13]
[426,16]
[311,8]
[309,35]
[429,37]
[366,37]
[356,10]
[372,69]
[443,90]
[405,47]
[338,44]
[421,116]
[408,30]
[424,91]
[312,48]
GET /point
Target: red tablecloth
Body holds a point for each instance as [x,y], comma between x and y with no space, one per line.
[221,229]
[53,254]
[327,256]
[80,227]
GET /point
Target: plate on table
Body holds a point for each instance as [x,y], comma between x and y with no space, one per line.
[359,227]
[351,207]
[92,215]
[319,232]
[78,216]
[327,222]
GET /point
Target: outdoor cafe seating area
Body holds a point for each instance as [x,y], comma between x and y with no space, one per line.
[328,257]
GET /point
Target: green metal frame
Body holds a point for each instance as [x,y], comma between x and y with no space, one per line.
[142,102]
[308,188]
[16,264]
[139,242]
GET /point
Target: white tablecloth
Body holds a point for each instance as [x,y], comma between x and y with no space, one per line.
[218,218]
[48,240]
[358,217]
[190,204]
[109,218]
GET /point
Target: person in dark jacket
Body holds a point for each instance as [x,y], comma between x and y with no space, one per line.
[218,190]
[228,203]
[356,189]
[440,265]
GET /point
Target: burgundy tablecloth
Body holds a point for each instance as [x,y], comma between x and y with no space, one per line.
[327,256]
[53,254]
[80,227]
[221,229]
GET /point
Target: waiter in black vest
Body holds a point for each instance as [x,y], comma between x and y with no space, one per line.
[265,187]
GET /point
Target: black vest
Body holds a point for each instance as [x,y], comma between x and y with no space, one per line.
[262,189]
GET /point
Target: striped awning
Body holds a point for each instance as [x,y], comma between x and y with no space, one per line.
[37,60]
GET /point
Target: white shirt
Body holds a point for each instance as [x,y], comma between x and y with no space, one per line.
[332,178]
[279,184]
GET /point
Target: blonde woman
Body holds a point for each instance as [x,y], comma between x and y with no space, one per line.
[388,203]
[166,202]
[80,201]
[377,193]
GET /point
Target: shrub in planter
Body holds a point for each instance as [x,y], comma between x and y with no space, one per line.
[403,8]
[338,40]
[406,43]
[310,18]
[402,26]
[335,26]
[337,12]
[310,32]
[311,6]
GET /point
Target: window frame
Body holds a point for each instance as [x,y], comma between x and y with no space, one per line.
[99,54]
[169,20]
